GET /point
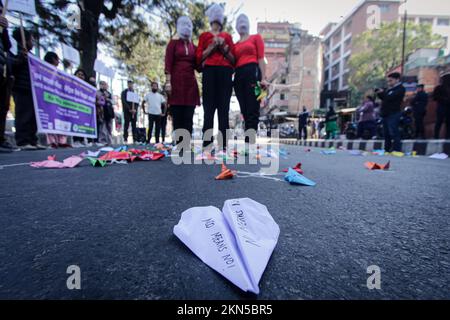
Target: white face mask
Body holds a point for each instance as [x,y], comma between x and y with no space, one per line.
[243,24]
[215,13]
[184,27]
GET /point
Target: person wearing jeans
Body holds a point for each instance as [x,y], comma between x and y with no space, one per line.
[215,55]
[6,82]
[441,95]
[391,111]
[25,122]
[129,113]
[152,105]
[392,132]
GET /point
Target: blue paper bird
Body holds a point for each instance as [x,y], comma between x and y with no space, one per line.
[294,177]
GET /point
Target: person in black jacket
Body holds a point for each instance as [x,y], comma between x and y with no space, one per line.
[303,124]
[442,96]
[419,105]
[391,111]
[129,113]
[5,83]
[26,127]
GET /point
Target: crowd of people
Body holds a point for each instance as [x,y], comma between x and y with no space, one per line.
[225,66]
[216,56]
[381,115]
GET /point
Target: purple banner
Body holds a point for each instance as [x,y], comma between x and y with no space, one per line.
[64,104]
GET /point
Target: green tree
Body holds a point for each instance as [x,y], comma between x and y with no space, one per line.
[142,55]
[379,51]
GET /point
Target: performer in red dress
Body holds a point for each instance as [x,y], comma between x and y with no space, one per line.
[215,55]
[181,84]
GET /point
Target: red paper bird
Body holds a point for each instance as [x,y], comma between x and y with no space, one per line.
[297,168]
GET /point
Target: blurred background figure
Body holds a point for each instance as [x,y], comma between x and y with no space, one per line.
[419,105]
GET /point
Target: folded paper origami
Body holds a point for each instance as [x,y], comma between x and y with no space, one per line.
[283,153]
[397,154]
[328,152]
[237,242]
[355,152]
[226,174]
[377,166]
[121,149]
[379,152]
[439,156]
[151,156]
[91,154]
[293,177]
[97,162]
[206,156]
[115,155]
[297,168]
[70,162]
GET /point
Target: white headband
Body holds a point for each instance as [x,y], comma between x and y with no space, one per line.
[215,13]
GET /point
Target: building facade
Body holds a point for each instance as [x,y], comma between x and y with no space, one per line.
[276,38]
[440,25]
[304,71]
[338,44]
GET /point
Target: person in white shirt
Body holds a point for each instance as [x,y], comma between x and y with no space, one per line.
[152,105]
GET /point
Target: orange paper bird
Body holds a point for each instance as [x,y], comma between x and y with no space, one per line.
[377,166]
[226,174]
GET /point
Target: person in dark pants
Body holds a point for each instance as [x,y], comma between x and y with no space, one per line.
[129,113]
[367,122]
[331,126]
[181,83]
[5,83]
[419,105]
[391,111]
[78,142]
[152,106]
[442,96]
[215,55]
[26,126]
[164,123]
[250,69]
[303,124]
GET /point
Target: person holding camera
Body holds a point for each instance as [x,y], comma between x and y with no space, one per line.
[392,99]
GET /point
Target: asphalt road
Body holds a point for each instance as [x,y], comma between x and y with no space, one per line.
[116,224]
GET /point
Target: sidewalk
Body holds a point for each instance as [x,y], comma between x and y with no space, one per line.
[422,147]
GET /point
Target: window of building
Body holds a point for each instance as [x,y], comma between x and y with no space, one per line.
[445,42]
[426,20]
[282,96]
[385,8]
[335,85]
[348,44]
[443,22]
[348,27]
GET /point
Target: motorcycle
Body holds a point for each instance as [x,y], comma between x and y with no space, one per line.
[406,124]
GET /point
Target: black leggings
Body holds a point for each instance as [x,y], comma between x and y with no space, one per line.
[182,118]
[245,81]
[156,119]
[217,88]
[26,127]
[442,116]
